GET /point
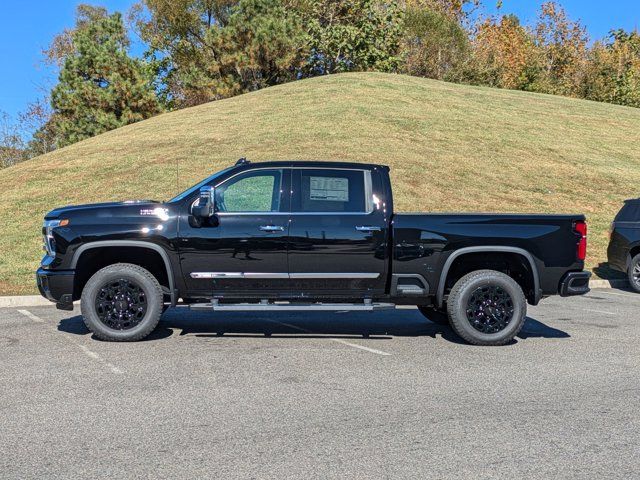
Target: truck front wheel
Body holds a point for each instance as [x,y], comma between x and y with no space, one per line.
[487,307]
[122,303]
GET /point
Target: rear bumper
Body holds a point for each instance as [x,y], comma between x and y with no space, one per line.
[56,286]
[574,283]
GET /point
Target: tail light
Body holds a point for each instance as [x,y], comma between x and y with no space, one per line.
[581,229]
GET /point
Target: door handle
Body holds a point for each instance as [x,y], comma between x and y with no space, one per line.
[366,228]
[271,228]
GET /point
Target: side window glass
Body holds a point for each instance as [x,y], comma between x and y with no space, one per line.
[257,191]
[326,190]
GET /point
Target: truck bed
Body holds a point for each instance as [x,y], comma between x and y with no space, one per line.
[425,242]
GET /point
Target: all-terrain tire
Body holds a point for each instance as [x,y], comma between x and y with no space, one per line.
[634,273]
[152,294]
[435,315]
[461,294]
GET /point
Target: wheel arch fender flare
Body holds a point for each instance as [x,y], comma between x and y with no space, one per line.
[131,243]
[486,249]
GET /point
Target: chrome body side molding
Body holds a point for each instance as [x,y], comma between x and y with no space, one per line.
[254,275]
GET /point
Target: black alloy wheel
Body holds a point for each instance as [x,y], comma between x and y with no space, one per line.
[489,309]
[121,304]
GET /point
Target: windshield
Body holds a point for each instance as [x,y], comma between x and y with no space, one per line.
[197,186]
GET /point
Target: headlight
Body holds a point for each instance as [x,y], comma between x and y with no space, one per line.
[47,233]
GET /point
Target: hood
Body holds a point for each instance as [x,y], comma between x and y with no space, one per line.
[89,207]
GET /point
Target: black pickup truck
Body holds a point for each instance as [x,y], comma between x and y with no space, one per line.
[305,236]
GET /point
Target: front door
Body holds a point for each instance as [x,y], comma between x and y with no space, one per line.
[244,248]
[338,232]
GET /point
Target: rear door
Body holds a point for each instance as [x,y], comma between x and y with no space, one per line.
[337,232]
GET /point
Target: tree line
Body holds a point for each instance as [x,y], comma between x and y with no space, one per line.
[198,51]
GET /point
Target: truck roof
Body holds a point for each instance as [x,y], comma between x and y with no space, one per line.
[312,163]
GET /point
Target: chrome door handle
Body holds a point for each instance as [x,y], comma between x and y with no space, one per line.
[365,228]
[271,228]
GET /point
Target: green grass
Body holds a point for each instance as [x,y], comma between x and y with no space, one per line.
[450,147]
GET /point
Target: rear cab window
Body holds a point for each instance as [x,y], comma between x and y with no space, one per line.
[323,190]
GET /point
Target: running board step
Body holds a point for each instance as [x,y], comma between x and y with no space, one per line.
[291,307]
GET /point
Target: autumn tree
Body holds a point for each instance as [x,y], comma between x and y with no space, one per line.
[504,55]
[350,35]
[460,10]
[434,43]
[100,86]
[62,45]
[12,145]
[39,119]
[181,48]
[564,44]
[613,71]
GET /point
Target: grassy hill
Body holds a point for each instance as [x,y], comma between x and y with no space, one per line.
[450,147]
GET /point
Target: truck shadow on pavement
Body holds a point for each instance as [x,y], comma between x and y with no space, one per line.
[379,326]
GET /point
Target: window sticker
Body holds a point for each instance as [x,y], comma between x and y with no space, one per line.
[334,189]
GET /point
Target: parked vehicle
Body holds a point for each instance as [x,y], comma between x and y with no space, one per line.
[624,243]
[280,236]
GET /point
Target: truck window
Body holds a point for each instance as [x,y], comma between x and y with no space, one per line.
[333,190]
[253,191]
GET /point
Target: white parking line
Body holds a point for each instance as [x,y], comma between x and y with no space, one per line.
[89,353]
[95,356]
[355,345]
[30,315]
[598,311]
[337,340]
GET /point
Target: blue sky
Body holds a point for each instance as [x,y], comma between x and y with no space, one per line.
[29,26]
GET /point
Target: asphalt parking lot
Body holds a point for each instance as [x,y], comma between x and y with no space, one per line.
[317,399]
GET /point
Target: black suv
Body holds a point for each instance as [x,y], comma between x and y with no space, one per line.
[624,245]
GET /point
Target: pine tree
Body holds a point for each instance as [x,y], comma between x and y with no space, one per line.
[100,86]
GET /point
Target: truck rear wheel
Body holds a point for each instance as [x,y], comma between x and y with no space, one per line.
[634,273]
[434,315]
[487,307]
[122,303]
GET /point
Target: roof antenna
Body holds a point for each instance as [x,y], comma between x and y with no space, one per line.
[242,161]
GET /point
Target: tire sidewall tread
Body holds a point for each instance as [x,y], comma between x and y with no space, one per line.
[634,261]
[457,304]
[148,283]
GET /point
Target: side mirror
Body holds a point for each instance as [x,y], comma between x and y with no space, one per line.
[207,203]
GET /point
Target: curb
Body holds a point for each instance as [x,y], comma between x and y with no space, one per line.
[24,301]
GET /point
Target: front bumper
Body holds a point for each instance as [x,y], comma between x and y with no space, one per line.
[56,286]
[575,283]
